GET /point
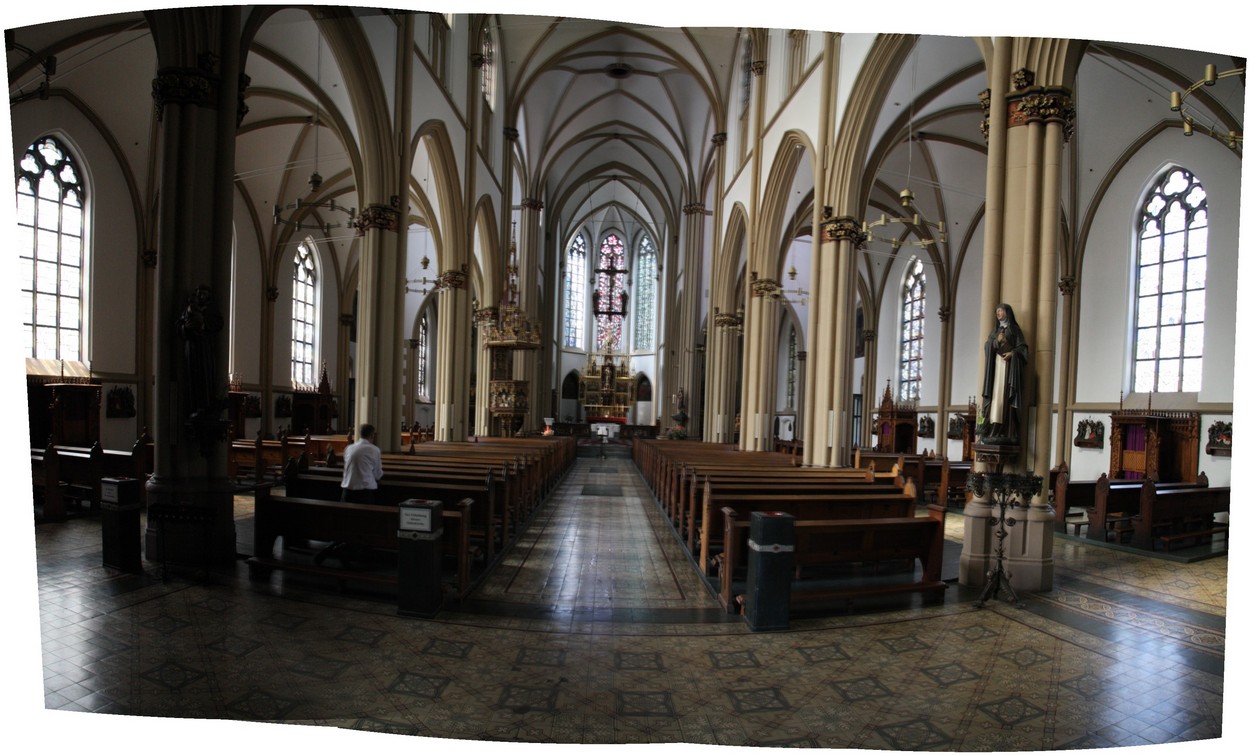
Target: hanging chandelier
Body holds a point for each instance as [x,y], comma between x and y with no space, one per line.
[301,210]
[915,222]
[1209,78]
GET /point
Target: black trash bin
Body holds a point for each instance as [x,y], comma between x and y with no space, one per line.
[119,523]
[770,565]
[420,557]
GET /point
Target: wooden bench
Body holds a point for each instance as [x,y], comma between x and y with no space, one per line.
[1113,504]
[1170,515]
[857,504]
[684,511]
[823,543]
[370,525]
[262,459]
[61,474]
[326,484]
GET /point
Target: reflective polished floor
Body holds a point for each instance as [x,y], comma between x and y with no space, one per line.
[597,629]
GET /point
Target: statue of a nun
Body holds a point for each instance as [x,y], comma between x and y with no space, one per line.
[1002,392]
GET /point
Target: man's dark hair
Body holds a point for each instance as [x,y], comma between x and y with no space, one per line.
[367,430]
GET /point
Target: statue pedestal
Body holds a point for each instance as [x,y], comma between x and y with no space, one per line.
[1025,546]
[996,455]
[190,523]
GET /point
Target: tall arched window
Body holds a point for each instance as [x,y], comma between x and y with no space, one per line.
[487,52]
[792,367]
[911,334]
[423,357]
[744,123]
[304,317]
[1171,285]
[644,296]
[50,211]
[574,292]
[611,300]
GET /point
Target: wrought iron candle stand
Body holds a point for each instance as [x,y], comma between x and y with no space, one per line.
[1004,490]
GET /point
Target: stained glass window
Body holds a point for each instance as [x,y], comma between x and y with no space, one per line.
[644,295]
[911,334]
[423,357]
[303,317]
[1171,285]
[574,292]
[611,300]
[50,211]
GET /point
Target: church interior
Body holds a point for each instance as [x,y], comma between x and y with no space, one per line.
[615,294]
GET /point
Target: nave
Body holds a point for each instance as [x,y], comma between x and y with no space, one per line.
[595,628]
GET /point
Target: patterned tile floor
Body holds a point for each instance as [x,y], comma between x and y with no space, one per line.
[596,629]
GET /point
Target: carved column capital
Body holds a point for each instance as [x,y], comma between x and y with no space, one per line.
[719,139]
[765,287]
[381,217]
[452,279]
[800,356]
[1054,105]
[944,313]
[485,315]
[1023,79]
[347,320]
[984,98]
[477,59]
[245,81]
[870,335]
[758,67]
[727,320]
[182,86]
[532,203]
[149,258]
[694,208]
[843,229]
[1067,285]
[271,293]
[511,134]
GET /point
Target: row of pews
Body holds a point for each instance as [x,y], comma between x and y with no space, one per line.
[1143,513]
[847,521]
[489,489]
[71,475]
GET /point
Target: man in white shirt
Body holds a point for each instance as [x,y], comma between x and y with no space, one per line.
[362,468]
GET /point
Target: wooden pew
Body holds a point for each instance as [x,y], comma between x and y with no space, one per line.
[1178,514]
[695,509]
[838,541]
[912,466]
[73,473]
[263,459]
[1112,505]
[326,484]
[46,478]
[828,505]
[371,525]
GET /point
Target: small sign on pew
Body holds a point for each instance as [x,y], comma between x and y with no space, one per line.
[418,515]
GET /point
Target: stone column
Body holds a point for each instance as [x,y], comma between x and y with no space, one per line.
[379,334]
[1027,125]
[451,412]
[723,366]
[759,398]
[197,93]
[833,321]
[481,413]
[527,360]
[688,319]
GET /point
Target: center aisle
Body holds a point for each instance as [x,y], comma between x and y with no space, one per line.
[600,547]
